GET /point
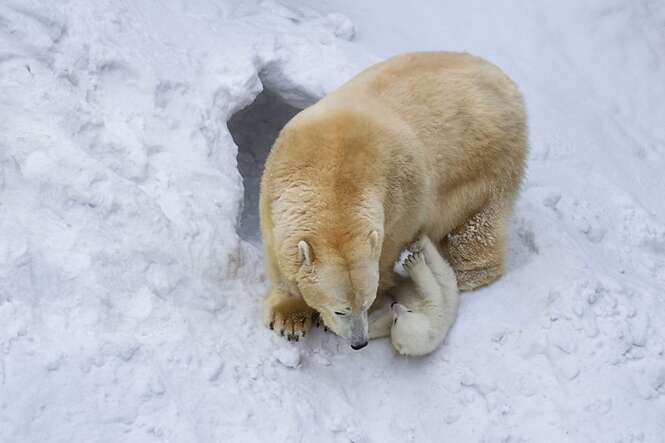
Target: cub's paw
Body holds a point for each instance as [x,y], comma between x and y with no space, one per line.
[418,244]
[291,318]
[414,262]
[421,243]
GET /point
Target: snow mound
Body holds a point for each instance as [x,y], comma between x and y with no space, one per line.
[126,293]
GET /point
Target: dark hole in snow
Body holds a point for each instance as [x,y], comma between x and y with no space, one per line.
[254,129]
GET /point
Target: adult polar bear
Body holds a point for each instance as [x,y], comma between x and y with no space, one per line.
[432,143]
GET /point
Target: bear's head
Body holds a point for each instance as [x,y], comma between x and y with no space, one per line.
[340,281]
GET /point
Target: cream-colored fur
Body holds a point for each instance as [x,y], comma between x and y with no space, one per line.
[423,308]
[431,143]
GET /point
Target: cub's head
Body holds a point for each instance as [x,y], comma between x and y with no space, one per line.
[411,332]
[340,281]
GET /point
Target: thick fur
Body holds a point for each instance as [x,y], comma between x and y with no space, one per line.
[424,307]
[432,143]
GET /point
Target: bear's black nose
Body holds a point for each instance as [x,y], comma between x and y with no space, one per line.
[359,346]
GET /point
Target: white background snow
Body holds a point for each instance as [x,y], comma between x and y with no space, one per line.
[130,264]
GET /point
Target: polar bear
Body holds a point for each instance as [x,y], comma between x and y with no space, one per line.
[427,143]
[423,307]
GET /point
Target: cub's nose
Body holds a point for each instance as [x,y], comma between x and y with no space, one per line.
[358,346]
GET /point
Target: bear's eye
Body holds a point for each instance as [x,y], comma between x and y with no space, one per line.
[340,313]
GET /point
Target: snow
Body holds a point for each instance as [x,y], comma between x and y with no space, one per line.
[289,357]
[130,264]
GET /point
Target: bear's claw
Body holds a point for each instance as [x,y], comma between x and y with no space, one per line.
[291,318]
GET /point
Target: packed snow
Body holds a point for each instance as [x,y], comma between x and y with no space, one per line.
[132,137]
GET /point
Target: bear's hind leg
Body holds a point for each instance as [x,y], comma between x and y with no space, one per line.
[477,249]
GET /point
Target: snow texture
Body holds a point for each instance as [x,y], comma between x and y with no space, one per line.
[131,273]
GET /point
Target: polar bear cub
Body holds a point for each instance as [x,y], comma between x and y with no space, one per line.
[424,307]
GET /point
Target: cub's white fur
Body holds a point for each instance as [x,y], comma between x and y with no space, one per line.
[424,307]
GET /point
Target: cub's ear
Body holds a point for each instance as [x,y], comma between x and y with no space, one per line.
[375,241]
[304,253]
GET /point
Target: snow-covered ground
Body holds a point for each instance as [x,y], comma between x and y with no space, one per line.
[130,264]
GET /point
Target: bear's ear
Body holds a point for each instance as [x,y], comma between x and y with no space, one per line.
[375,241]
[304,253]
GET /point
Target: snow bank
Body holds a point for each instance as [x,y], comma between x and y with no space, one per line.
[124,309]
[130,267]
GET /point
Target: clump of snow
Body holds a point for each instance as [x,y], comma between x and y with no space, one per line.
[289,357]
[131,274]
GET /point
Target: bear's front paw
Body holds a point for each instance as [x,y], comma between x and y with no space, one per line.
[291,318]
[414,261]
